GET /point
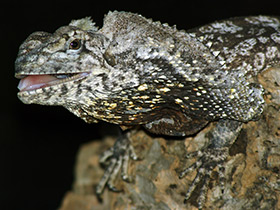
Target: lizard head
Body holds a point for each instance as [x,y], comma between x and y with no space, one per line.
[52,66]
[74,67]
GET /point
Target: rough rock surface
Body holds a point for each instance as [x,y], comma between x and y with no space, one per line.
[252,170]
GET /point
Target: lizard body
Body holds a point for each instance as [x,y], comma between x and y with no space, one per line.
[135,71]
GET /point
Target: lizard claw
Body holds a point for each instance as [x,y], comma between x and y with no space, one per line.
[208,159]
[116,159]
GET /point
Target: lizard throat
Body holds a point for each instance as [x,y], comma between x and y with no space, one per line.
[33,82]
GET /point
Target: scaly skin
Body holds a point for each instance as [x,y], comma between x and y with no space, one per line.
[135,71]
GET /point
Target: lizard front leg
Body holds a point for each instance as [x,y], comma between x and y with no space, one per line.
[116,159]
[214,155]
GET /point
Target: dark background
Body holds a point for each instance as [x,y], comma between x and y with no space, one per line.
[38,144]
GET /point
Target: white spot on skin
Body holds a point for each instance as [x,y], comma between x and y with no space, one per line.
[113,105]
[244,47]
[178,100]
[144,97]
[259,61]
[209,44]
[216,53]
[41,60]
[263,39]
[195,79]
[251,41]
[142,87]
[275,37]
[272,52]
[162,77]
[223,28]
[165,89]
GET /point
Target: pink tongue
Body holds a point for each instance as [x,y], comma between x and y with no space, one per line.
[34,82]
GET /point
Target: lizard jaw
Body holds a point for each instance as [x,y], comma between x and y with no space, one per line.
[33,82]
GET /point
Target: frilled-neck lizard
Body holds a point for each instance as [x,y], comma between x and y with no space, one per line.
[134,71]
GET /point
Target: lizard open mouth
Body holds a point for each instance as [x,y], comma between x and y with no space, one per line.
[33,82]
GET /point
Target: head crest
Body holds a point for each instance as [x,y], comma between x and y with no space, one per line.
[84,24]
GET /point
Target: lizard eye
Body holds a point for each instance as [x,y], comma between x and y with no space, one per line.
[75,44]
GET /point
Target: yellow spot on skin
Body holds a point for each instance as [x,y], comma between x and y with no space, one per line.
[142,87]
[232,90]
[178,101]
[144,97]
[178,55]
[105,103]
[155,100]
[129,108]
[113,105]
[131,118]
[165,89]
[149,102]
[180,85]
